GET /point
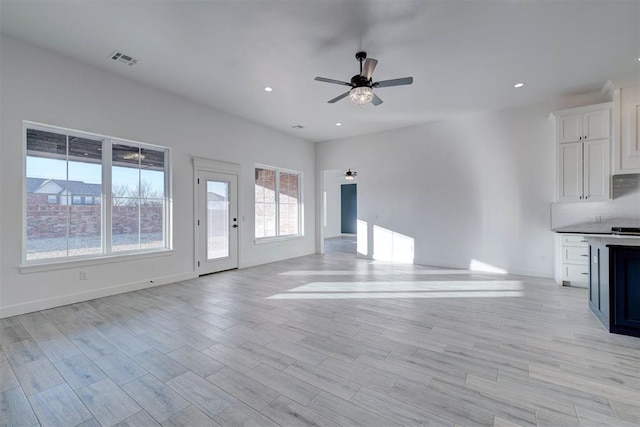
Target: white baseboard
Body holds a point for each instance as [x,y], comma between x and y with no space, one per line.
[43,304]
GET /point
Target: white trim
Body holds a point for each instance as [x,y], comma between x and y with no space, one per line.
[67,263]
[214,166]
[106,205]
[277,170]
[43,304]
[263,240]
[585,109]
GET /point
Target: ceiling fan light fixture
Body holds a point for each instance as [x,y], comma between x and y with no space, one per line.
[349,175]
[361,95]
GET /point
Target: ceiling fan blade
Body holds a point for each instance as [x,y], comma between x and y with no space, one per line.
[368,67]
[338,98]
[376,100]
[338,82]
[394,82]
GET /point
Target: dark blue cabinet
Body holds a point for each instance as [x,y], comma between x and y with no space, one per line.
[625,285]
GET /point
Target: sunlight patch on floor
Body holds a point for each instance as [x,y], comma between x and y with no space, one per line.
[427,289]
[373,272]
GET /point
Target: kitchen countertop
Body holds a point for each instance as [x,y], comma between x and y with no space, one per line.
[602,228]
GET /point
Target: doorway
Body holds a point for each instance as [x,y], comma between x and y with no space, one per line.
[217,222]
[349,208]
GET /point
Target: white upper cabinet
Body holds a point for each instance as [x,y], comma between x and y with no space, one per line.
[570,171]
[596,170]
[583,153]
[626,146]
[570,128]
[585,126]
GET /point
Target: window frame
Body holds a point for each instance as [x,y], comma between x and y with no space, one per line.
[278,237]
[106,255]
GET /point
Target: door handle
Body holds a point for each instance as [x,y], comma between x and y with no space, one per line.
[235,225]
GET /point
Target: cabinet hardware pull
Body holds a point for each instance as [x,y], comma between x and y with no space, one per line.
[583,241]
[586,274]
[584,255]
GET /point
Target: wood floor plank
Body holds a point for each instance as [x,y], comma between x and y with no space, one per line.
[243,388]
[141,419]
[8,379]
[323,380]
[195,361]
[286,412]
[240,414]
[190,416]
[59,406]
[79,371]
[283,383]
[156,398]
[231,358]
[160,365]
[38,376]
[346,413]
[108,403]
[576,382]
[204,395]
[15,409]
[385,406]
[120,368]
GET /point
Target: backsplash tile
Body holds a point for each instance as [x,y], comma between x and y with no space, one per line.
[625,205]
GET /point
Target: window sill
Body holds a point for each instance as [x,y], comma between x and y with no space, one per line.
[83,262]
[264,240]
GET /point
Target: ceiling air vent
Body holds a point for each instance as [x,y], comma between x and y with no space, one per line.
[123,58]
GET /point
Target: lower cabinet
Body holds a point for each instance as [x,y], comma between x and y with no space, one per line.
[625,277]
[614,286]
[574,260]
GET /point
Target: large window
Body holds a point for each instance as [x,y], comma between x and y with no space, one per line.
[278,207]
[70,212]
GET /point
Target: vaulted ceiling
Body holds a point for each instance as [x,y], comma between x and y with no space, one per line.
[465,56]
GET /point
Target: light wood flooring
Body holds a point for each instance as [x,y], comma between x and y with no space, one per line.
[323,340]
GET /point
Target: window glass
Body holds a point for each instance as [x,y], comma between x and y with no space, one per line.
[62,169]
[265,203]
[288,203]
[277,203]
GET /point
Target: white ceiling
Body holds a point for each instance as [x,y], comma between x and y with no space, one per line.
[465,56]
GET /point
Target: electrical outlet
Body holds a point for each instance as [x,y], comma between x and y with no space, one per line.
[84,275]
[597,218]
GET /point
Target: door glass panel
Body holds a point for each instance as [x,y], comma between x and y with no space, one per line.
[217,219]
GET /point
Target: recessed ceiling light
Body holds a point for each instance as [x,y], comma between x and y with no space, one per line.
[518,85]
[338,124]
[268,89]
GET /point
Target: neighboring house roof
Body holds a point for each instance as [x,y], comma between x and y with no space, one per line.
[215,197]
[36,185]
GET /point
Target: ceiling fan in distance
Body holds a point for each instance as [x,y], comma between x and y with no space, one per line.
[362,85]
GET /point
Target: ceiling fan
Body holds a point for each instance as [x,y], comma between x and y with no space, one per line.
[362,85]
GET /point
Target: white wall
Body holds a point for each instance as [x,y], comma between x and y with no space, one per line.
[476,188]
[333,181]
[41,86]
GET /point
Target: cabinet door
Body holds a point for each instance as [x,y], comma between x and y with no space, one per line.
[595,125]
[626,278]
[570,172]
[571,128]
[596,170]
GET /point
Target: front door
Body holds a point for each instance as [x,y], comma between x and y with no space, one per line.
[217,222]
